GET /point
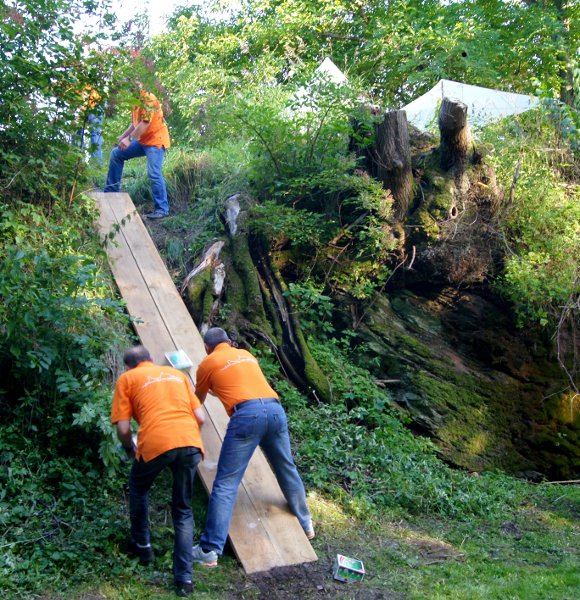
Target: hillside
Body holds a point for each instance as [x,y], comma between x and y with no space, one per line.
[413,296]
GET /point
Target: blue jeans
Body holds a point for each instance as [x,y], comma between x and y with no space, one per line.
[182,462]
[155,158]
[96,137]
[255,422]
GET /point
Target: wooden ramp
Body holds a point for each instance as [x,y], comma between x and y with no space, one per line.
[263,532]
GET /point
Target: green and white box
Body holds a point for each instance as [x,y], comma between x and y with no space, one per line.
[349,570]
[178,359]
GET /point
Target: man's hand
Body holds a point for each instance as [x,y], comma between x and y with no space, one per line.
[124,143]
[125,437]
[130,451]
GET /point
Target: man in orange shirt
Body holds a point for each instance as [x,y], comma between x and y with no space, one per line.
[257,418]
[148,136]
[170,416]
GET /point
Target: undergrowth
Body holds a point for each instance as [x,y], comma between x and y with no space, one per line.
[63,512]
[358,450]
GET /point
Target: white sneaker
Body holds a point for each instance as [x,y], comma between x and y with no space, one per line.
[206,559]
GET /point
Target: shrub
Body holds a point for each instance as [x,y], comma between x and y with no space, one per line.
[541,217]
[57,322]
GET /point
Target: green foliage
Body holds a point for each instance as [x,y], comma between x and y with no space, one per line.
[398,49]
[357,450]
[56,319]
[45,73]
[296,133]
[191,176]
[311,194]
[541,219]
[314,309]
[52,529]
[59,328]
[61,514]
[300,226]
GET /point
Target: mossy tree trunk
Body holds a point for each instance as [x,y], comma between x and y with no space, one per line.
[388,158]
[237,287]
[203,286]
[393,159]
[456,148]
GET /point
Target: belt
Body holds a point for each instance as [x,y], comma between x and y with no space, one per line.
[254,401]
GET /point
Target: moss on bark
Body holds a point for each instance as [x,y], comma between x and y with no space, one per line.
[472,384]
[196,292]
[244,265]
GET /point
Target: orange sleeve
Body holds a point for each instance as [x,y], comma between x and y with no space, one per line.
[121,410]
[194,400]
[202,383]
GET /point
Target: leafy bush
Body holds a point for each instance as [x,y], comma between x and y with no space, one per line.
[57,321]
[52,530]
[59,334]
[44,74]
[280,223]
[314,309]
[541,218]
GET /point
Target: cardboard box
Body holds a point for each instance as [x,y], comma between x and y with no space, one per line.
[178,359]
[349,570]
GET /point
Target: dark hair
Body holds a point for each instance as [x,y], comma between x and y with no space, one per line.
[136,355]
[215,336]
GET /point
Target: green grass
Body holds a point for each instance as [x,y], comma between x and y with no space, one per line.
[530,556]
[65,541]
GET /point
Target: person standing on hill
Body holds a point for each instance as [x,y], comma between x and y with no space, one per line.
[92,113]
[257,418]
[170,416]
[148,136]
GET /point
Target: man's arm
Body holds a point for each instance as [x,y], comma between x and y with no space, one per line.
[133,133]
[124,435]
[141,128]
[199,416]
[202,381]
[123,140]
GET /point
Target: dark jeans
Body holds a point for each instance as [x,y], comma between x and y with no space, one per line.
[182,462]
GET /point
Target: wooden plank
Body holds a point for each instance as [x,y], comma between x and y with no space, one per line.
[263,533]
[259,476]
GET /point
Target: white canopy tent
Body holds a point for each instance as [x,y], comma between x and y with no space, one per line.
[330,70]
[484,105]
[327,71]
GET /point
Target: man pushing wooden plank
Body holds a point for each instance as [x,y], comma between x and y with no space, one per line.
[263,532]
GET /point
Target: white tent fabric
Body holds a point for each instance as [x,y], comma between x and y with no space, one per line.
[484,105]
[331,71]
[326,71]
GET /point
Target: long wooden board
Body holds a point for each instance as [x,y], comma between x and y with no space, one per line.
[263,532]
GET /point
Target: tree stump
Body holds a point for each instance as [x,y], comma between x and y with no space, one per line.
[237,273]
[393,159]
[456,142]
[388,157]
[203,286]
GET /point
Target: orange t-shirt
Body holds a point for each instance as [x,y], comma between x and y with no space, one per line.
[157,133]
[233,375]
[162,401]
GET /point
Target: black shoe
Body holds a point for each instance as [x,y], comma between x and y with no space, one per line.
[144,554]
[157,214]
[183,589]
